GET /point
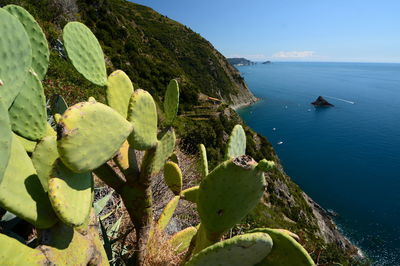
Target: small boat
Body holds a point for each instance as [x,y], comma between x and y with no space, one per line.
[280,142]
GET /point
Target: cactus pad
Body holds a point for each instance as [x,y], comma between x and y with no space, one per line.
[89,135]
[13,252]
[122,157]
[180,241]
[28,113]
[5,139]
[171,101]
[265,165]
[173,177]
[228,193]
[165,148]
[43,159]
[85,52]
[242,250]
[203,162]
[167,213]
[40,48]
[119,91]
[70,194]
[143,116]
[236,143]
[286,250]
[190,194]
[29,145]
[21,192]
[15,56]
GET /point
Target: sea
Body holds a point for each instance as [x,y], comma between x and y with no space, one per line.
[345,157]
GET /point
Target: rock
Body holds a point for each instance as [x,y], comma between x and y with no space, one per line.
[321,102]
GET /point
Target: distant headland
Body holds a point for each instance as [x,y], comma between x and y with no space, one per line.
[240,61]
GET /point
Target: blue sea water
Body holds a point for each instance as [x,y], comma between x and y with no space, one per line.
[345,157]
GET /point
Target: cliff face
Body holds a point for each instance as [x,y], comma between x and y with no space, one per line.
[153,49]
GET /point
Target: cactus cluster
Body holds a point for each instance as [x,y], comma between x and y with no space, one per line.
[46,175]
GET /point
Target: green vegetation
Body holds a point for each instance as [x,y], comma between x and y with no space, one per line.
[152,50]
[59,200]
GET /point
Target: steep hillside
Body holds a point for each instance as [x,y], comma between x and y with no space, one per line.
[153,49]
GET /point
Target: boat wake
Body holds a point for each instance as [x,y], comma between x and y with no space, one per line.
[343,100]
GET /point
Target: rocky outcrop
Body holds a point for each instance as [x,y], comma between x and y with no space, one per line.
[321,102]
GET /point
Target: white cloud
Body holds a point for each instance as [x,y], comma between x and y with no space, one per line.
[294,54]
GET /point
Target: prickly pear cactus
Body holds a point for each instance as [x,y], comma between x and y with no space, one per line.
[15,56]
[286,250]
[242,250]
[12,252]
[143,116]
[171,101]
[203,162]
[180,241]
[5,139]
[43,159]
[21,191]
[85,52]
[173,177]
[40,49]
[119,91]
[89,134]
[28,114]
[167,213]
[236,143]
[228,193]
[190,194]
[70,194]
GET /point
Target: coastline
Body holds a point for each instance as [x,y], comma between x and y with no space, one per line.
[328,230]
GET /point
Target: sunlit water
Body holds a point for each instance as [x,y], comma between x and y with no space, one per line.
[345,157]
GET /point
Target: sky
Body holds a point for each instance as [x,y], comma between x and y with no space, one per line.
[293,30]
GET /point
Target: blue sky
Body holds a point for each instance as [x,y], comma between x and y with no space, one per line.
[293,30]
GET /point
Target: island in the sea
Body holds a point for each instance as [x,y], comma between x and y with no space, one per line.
[266,62]
[236,61]
[321,102]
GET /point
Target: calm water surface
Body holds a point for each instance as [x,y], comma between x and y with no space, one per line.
[345,157]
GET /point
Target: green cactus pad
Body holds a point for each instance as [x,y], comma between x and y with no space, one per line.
[21,192]
[70,194]
[89,135]
[64,245]
[203,162]
[50,131]
[13,252]
[242,250]
[286,250]
[5,139]
[40,48]
[85,52]
[29,145]
[236,143]
[173,177]
[190,194]
[43,159]
[167,213]
[228,193]
[165,148]
[28,113]
[265,165]
[119,92]
[171,101]
[15,56]
[143,116]
[180,241]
